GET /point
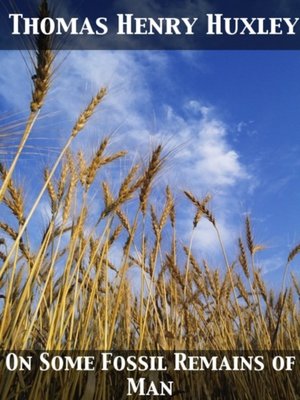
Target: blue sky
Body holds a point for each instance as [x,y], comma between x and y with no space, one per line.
[233,118]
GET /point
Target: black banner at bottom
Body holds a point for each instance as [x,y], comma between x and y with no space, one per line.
[152,374]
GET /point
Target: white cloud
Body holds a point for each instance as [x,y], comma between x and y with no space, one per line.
[205,239]
[271,264]
[197,107]
[204,160]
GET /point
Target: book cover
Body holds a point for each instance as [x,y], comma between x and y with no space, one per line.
[149,198]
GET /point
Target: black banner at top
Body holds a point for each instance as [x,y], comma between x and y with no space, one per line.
[151,25]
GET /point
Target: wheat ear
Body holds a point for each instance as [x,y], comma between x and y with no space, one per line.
[77,128]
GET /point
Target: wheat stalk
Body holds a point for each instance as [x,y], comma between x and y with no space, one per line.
[43,73]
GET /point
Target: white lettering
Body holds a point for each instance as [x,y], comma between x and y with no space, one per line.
[16,18]
[291,25]
[101,23]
